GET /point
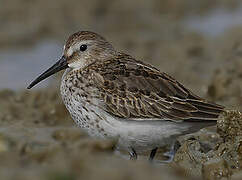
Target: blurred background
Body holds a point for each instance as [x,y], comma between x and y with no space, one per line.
[197,42]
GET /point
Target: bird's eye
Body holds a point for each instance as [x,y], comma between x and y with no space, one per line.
[83,47]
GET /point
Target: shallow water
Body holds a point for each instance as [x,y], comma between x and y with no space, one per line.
[18,67]
[215,22]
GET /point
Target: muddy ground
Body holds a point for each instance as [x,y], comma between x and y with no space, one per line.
[38,139]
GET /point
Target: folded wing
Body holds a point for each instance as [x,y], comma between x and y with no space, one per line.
[133,89]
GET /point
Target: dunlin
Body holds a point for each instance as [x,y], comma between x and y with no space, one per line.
[114,96]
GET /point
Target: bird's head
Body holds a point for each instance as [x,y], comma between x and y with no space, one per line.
[81,50]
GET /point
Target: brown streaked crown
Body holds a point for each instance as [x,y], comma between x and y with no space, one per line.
[80,36]
[83,35]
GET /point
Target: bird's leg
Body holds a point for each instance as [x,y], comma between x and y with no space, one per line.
[152,154]
[132,154]
[170,154]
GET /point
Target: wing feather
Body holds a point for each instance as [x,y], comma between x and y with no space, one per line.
[133,89]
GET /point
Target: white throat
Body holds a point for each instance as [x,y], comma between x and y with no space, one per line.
[77,65]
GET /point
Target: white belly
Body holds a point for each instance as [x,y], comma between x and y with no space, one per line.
[143,135]
[137,134]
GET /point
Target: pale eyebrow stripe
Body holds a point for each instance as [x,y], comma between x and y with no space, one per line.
[76,46]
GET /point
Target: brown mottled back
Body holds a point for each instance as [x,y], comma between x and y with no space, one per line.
[133,89]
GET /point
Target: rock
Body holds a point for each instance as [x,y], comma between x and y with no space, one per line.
[215,168]
[229,125]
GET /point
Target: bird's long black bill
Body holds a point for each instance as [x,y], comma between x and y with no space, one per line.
[58,66]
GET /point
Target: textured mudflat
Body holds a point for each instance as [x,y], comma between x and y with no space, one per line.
[213,154]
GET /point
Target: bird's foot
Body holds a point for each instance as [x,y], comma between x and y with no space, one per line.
[133,155]
[171,154]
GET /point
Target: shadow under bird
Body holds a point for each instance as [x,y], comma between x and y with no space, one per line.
[112,95]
